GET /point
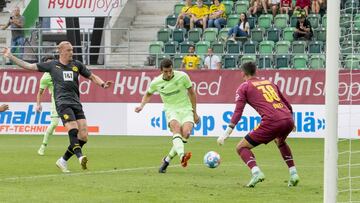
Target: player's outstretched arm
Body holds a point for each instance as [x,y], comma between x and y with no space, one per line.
[4,107]
[146,98]
[192,96]
[221,139]
[38,100]
[97,80]
[22,64]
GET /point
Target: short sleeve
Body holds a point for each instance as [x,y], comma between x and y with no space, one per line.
[152,88]
[44,67]
[186,81]
[83,70]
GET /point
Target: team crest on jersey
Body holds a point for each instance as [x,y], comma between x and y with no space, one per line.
[75,69]
[66,116]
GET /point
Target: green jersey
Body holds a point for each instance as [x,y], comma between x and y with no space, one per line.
[174,92]
[46,83]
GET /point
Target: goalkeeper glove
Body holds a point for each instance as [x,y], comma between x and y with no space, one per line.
[221,139]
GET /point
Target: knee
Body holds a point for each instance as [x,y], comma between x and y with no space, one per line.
[186,134]
[83,134]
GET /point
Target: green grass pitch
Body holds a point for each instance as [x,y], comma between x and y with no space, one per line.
[124,169]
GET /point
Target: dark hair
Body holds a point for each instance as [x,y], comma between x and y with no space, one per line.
[249,68]
[214,2]
[166,63]
[46,58]
[245,20]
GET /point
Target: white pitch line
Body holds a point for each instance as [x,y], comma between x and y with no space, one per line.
[18,178]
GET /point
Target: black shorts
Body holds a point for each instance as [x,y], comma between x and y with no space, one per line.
[70,112]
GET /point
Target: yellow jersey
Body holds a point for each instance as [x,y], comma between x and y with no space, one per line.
[186,9]
[191,62]
[221,7]
[200,12]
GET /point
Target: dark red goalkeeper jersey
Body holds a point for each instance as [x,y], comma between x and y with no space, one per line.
[265,97]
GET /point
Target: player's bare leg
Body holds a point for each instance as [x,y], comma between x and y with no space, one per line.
[288,158]
[185,132]
[244,151]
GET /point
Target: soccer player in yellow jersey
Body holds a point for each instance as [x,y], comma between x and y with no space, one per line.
[183,19]
[200,14]
[191,61]
[217,15]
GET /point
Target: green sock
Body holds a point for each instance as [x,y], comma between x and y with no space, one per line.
[178,145]
[50,130]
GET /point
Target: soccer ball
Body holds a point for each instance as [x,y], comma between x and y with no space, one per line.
[212,159]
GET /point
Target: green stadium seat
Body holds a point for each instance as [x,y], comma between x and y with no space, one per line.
[171,47]
[257,34]
[281,21]
[171,20]
[194,34]
[241,7]
[355,34]
[343,33]
[288,34]
[323,21]
[250,47]
[314,20]
[315,47]
[357,21]
[282,62]
[345,20]
[265,21]
[317,61]
[230,61]
[266,47]
[233,47]
[265,61]
[320,34]
[228,7]
[293,20]
[352,62]
[347,47]
[247,58]
[164,35]
[184,46]
[298,47]
[210,34]
[273,34]
[351,6]
[283,47]
[223,33]
[179,34]
[233,20]
[177,60]
[178,7]
[252,21]
[299,61]
[218,47]
[201,47]
[156,47]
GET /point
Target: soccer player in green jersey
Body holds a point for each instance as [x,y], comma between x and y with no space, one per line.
[179,98]
[46,83]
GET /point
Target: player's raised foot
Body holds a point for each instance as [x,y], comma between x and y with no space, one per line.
[185,159]
[41,150]
[294,180]
[163,166]
[255,179]
[83,161]
[62,165]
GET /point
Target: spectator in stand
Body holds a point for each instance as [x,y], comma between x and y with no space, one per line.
[304,5]
[303,28]
[184,17]
[285,6]
[256,6]
[16,23]
[217,16]
[318,6]
[200,14]
[240,30]
[212,62]
[273,4]
[191,61]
